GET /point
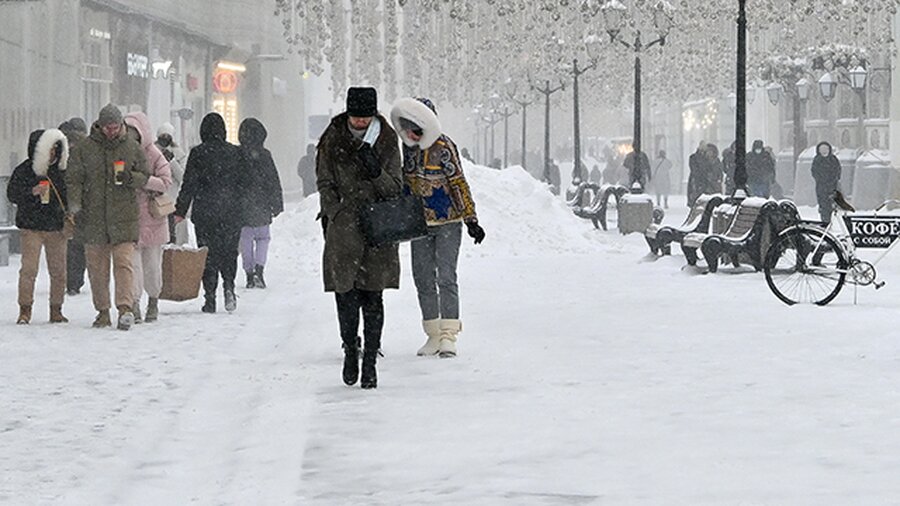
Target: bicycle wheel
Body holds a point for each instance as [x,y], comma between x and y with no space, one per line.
[805,266]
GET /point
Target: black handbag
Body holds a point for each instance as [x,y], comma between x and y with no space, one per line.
[393,221]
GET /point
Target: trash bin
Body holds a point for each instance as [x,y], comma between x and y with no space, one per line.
[635,213]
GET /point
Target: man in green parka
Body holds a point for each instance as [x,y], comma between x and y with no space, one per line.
[358,163]
[102,178]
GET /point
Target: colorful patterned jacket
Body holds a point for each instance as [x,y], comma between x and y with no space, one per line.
[436,175]
[432,168]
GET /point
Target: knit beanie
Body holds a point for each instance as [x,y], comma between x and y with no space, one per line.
[110,114]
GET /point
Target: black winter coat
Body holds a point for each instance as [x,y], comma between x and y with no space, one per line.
[30,213]
[760,166]
[263,199]
[826,170]
[214,179]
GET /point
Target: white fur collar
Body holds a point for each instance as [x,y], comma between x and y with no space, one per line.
[41,162]
[420,114]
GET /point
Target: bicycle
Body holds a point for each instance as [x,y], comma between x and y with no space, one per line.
[811,261]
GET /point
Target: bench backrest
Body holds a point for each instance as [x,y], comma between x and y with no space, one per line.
[700,211]
[745,218]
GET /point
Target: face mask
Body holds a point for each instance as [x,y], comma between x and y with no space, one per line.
[757,151]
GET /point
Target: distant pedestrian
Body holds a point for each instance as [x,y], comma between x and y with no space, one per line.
[177,158]
[760,170]
[214,180]
[358,163]
[729,162]
[432,170]
[826,171]
[104,172]
[153,230]
[595,176]
[263,200]
[638,174]
[699,175]
[716,170]
[306,170]
[662,181]
[75,131]
[38,189]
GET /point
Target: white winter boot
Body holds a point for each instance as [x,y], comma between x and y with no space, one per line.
[433,345]
[449,330]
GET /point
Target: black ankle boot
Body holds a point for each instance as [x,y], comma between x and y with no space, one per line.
[251,279]
[260,281]
[209,305]
[369,374]
[351,365]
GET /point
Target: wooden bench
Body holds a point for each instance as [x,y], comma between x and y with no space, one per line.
[749,234]
[660,238]
[596,209]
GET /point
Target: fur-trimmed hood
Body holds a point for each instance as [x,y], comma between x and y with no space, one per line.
[40,160]
[420,114]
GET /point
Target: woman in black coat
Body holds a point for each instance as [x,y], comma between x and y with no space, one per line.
[826,170]
[38,189]
[213,185]
[263,200]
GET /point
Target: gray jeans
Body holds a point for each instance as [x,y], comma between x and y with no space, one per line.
[434,261]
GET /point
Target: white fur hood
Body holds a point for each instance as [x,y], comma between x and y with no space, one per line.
[420,114]
[41,161]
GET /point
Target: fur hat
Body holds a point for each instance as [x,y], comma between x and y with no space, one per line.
[417,112]
[362,102]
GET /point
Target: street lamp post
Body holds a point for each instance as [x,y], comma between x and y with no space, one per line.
[576,72]
[740,155]
[856,78]
[523,103]
[614,13]
[547,90]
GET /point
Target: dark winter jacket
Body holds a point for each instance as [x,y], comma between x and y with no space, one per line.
[107,212]
[701,179]
[729,163]
[760,166]
[263,199]
[306,171]
[214,179]
[344,187]
[31,214]
[826,170]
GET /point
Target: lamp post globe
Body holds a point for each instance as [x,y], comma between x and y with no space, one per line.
[858,78]
[803,86]
[828,86]
[774,92]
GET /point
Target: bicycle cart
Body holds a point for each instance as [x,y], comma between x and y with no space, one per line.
[810,261]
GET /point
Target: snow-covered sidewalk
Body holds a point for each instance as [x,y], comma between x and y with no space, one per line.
[586,375]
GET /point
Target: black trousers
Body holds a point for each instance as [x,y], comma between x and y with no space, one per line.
[349,306]
[222,241]
[75,265]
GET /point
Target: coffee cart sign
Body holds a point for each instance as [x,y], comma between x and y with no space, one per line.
[873,231]
[139,65]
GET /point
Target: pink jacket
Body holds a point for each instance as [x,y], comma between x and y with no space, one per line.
[153,231]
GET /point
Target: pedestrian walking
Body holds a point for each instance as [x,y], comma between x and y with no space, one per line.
[306,170]
[153,230]
[432,170]
[104,173]
[662,180]
[716,170]
[263,200]
[826,171]
[75,131]
[760,170]
[38,189]
[358,163]
[165,141]
[213,182]
[729,162]
[698,177]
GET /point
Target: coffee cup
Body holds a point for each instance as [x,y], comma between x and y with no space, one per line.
[45,190]
[118,169]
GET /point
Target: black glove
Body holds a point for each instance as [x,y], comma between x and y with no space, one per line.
[475,231]
[324,220]
[370,162]
[125,177]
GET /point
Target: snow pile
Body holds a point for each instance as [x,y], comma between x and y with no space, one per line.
[522,217]
[519,214]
